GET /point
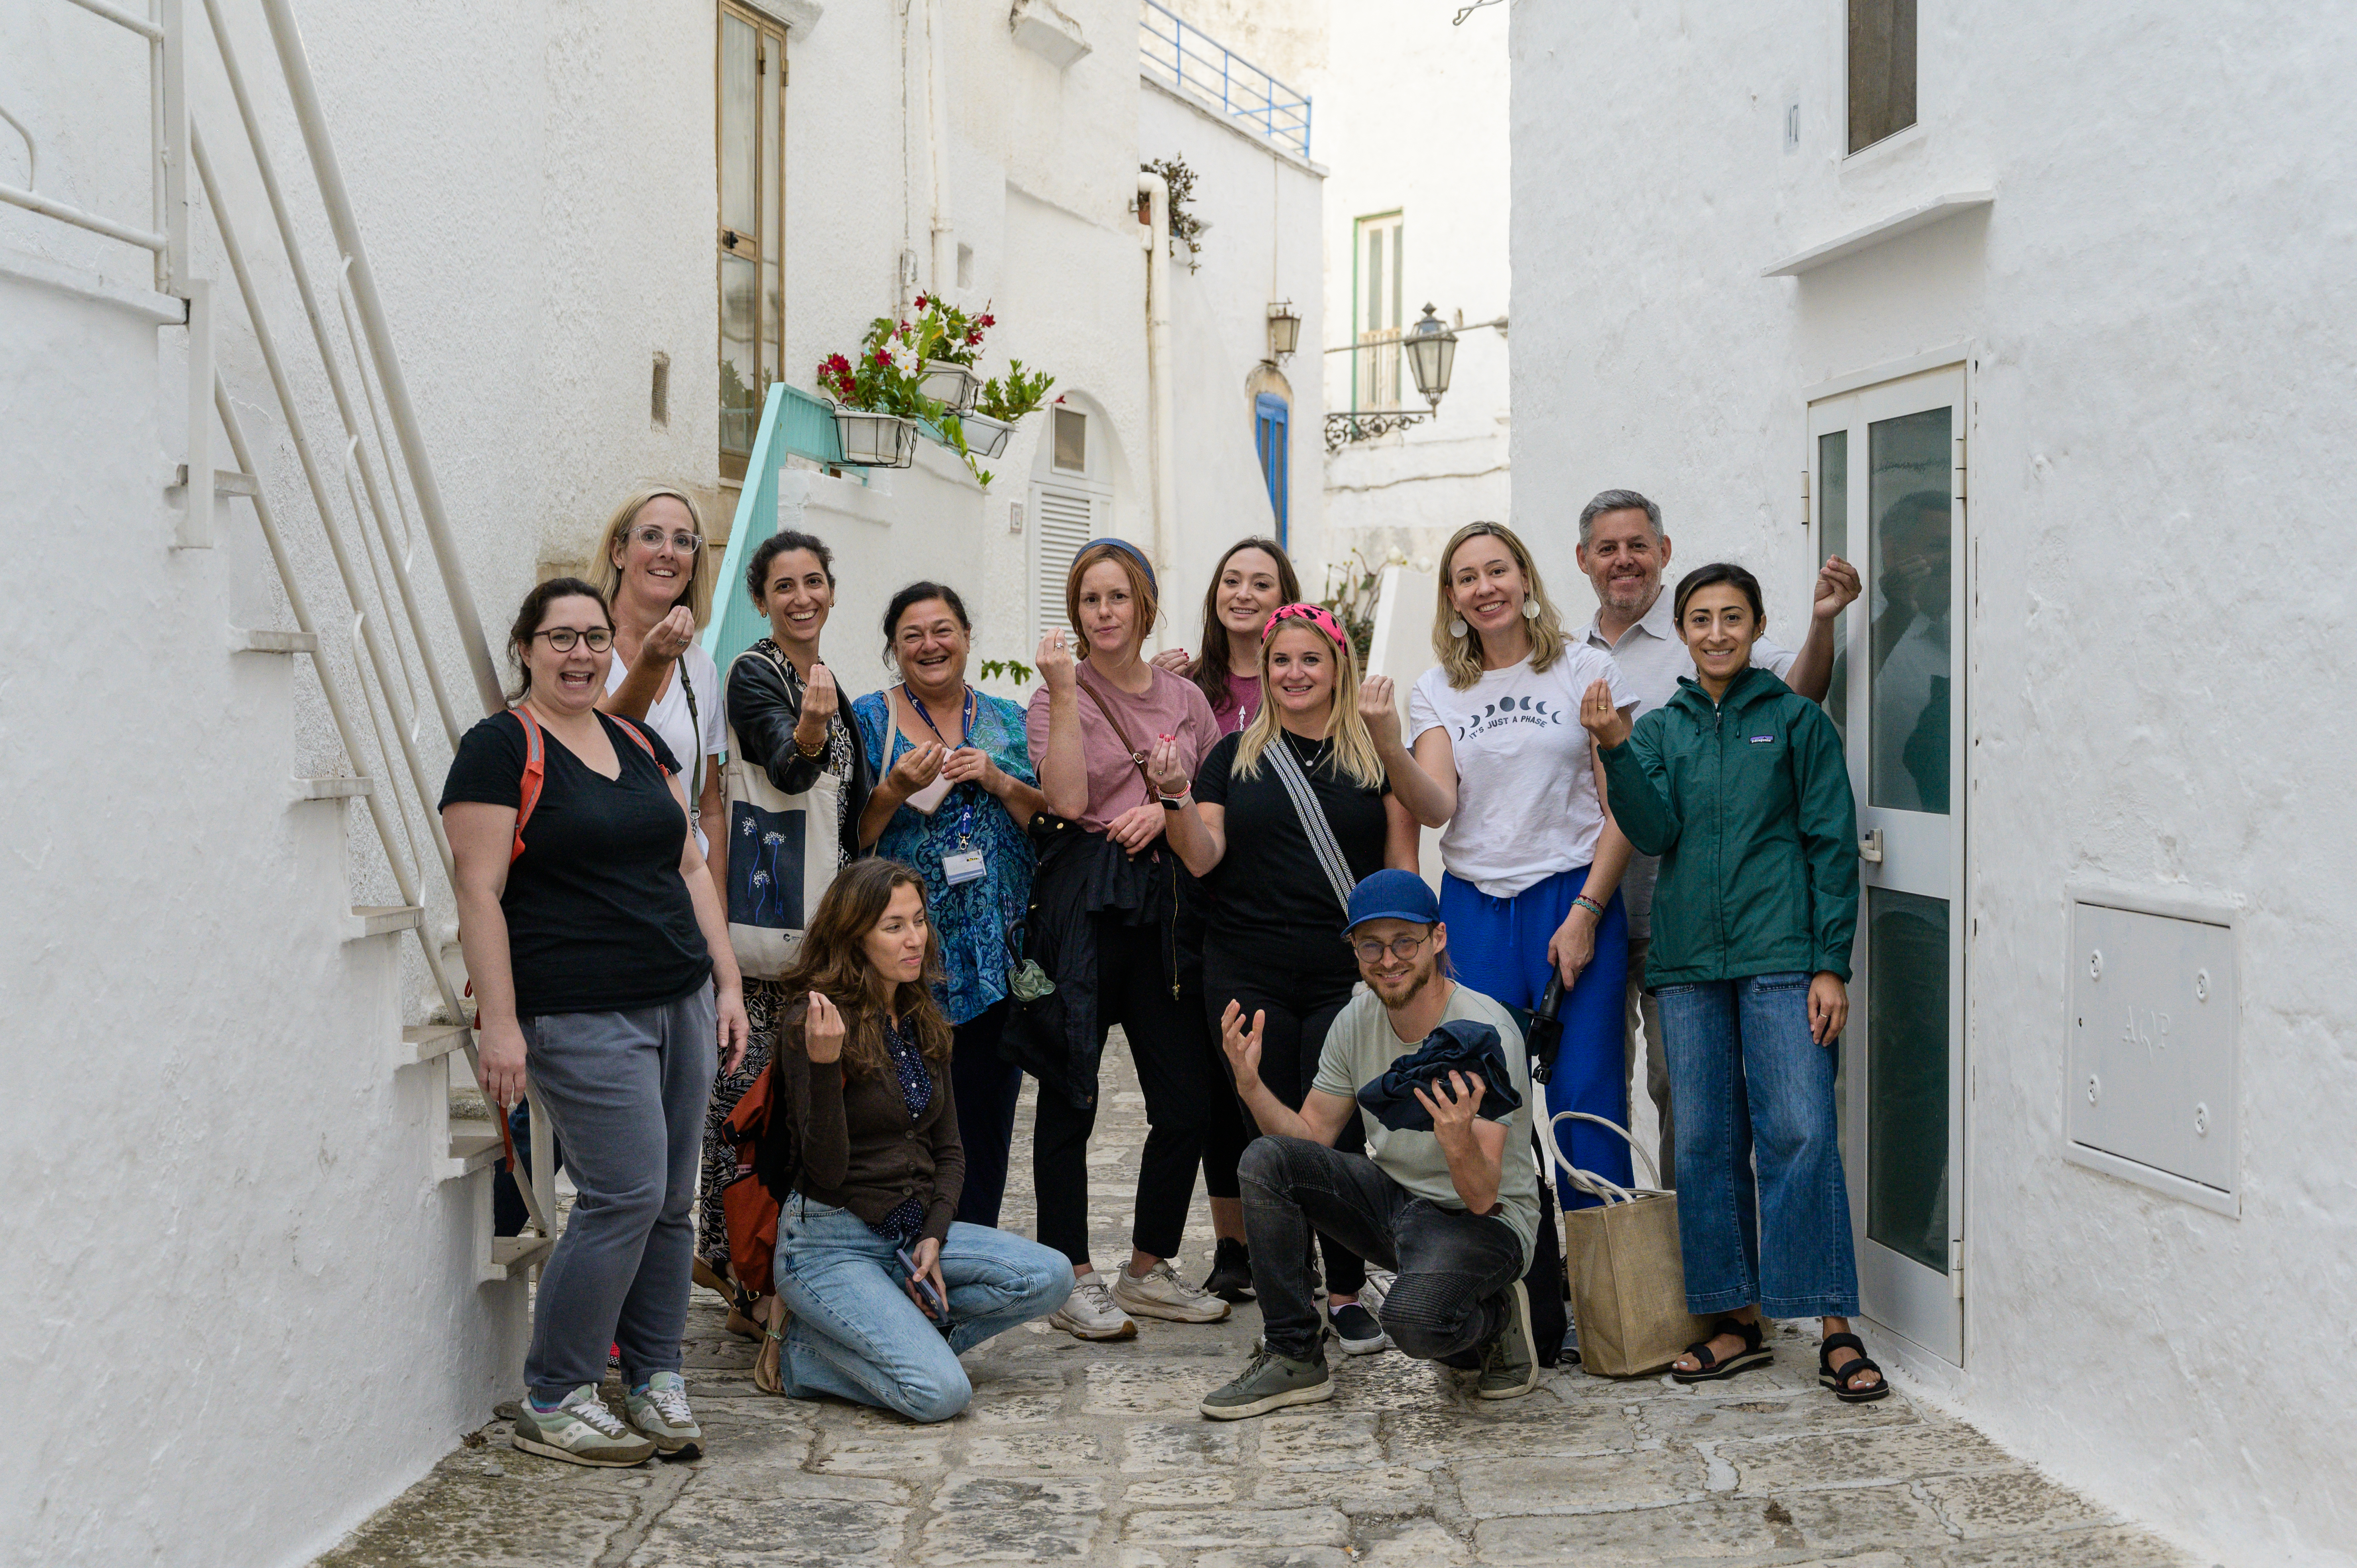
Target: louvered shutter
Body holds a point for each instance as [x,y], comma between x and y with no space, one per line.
[1066,519]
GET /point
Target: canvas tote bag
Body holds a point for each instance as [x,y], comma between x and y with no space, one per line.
[1628,1285]
[781,854]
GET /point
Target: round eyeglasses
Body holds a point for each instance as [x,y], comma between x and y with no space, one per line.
[562,638]
[1401,948]
[654,538]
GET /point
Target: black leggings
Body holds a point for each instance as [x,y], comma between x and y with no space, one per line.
[985,1086]
[1191,1114]
[1298,1011]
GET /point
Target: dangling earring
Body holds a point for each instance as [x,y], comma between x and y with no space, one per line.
[1529,610]
[1456,625]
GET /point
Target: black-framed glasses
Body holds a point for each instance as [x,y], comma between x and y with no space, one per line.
[1401,948]
[562,638]
[654,538]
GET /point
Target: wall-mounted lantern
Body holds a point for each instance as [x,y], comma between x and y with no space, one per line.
[1430,349]
[1284,329]
[1430,346]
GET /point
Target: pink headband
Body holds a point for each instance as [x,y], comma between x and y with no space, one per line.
[1315,615]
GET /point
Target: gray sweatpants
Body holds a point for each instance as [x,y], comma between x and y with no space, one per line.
[626,1092]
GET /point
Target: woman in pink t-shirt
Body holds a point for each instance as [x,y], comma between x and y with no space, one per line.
[1251,579]
[1104,920]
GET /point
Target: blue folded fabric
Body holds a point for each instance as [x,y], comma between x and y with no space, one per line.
[1460,1045]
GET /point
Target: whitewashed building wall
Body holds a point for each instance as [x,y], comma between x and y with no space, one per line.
[2155,316]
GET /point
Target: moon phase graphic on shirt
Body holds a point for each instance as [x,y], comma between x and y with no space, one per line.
[1511,710]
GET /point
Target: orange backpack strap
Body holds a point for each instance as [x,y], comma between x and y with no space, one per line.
[646,745]
[535,773]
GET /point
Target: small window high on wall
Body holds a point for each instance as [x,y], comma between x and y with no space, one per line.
[751,152]
[1881,69]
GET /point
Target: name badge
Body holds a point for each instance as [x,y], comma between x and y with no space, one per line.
[961,865]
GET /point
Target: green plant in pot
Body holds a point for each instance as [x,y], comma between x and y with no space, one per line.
[879,396]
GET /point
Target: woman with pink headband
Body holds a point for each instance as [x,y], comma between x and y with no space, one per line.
[1283,819]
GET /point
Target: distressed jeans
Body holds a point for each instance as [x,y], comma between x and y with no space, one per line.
[857,1334]
[1453,1266]
[1751,1085]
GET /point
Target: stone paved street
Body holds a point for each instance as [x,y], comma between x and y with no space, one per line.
[1088,1454]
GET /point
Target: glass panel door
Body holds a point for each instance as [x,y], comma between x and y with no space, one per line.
[1899,697]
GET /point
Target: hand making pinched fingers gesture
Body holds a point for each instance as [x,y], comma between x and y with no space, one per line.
[1376,707]
[1838,588]
[669,638]
[971,762]
[819,698]
[918,767]
[1600,718]
[1242,1044]
[1055,662]
[1164,767]
[823,1030]
[1451,1106]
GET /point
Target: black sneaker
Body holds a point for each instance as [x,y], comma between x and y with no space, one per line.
[1231,1276]
[1359,1330]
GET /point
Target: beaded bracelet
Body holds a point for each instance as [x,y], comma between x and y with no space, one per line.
[1590,905]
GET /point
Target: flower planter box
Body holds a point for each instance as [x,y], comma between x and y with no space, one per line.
[985,436]
[953,385]
[871,440]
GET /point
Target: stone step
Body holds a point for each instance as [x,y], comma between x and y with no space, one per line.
[334,787]
[426,1042]
[264,640]
[474,1146]
[383,921]
[512,1255]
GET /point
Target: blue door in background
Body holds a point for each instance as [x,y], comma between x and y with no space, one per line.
[1269,416]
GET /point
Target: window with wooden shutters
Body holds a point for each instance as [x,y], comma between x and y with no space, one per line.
[1881,69]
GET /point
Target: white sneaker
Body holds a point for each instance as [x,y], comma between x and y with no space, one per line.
[661,1413]
[1160,1292]
[580,1429]
[1089,1312]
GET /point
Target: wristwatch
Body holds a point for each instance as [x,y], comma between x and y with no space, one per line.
[1177,802]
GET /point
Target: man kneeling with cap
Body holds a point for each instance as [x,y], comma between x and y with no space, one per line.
[1453,1209]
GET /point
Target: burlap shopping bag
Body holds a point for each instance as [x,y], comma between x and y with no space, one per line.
[1628,1284]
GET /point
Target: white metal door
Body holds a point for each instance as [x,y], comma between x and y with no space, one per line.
[1885,465]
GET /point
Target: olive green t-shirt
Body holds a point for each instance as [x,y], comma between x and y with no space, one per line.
[1360,1047]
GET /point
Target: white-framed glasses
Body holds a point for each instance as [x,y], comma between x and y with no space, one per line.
[654,538]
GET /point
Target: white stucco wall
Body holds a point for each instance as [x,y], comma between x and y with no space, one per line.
[2158,313]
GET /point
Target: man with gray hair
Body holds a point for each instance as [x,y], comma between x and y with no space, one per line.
[1624,552]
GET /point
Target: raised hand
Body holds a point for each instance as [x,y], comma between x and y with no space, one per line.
[1452,1105]
[971,762]
[1600,718]
[1137,827]
[1174,660]
[1162,765]
[1376,707]
[669,638]
[823,1030]
[1055,662]
[819,698]
[919,767]
[1242,1044]
[1838,588]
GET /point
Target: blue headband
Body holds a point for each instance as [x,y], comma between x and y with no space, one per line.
[1132,551]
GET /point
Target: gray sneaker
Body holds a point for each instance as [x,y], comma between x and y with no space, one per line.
[581,1431]
[1509,1368]
[660,1412]
[1270,1382]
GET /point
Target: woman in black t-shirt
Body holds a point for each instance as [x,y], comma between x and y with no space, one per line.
[1274,944]
[600,961]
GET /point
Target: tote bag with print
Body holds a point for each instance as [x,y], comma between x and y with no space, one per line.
[781,855]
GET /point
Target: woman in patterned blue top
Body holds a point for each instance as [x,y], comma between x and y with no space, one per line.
[955,790]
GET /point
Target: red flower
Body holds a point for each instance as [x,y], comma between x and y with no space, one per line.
[986,320]
[921,305]
[883,356]
[974,336]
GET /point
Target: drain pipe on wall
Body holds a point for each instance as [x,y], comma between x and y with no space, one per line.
[1161,415]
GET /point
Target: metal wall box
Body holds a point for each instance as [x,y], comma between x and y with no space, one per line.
[2154,1003]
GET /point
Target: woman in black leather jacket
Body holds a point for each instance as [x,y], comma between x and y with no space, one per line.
[797,724]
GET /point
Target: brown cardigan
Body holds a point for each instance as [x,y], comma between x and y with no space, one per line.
[860,1150]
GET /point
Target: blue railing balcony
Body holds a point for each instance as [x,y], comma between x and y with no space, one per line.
[1198,65]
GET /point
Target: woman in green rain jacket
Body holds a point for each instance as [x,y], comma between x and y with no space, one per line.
[1740,787]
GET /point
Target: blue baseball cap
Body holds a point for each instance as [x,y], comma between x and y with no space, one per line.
[1391,895]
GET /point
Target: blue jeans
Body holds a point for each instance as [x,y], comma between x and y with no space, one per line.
[1749,1084]
[1499,948]
[856,1334]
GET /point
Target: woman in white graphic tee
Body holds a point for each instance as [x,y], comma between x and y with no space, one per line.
[1531,859]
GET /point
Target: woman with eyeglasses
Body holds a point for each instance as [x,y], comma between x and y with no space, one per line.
[1282,820]
[1531,890]
[599,956]
[954,793]
[651,571]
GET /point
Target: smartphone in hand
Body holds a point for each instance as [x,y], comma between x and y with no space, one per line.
[923,1286]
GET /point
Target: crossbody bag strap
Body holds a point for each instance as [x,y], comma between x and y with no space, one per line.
[1314,822]
[1121,733]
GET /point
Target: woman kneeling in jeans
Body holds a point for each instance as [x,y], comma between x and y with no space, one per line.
[1739,786]
[885,1290]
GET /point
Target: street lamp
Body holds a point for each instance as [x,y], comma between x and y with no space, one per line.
[1431,349]
[1284,329]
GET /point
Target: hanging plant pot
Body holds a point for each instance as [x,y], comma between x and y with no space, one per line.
[872,440]
[951,384]
[985,436]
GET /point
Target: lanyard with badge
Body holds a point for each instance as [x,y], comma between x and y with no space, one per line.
[963,864]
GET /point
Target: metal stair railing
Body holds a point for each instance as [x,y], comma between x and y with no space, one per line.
[375,533]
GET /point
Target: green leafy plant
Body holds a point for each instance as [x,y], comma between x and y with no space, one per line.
[1014,670]
[1009,397]
[942,331]
[953,428]
[1186,229]
[888,377]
